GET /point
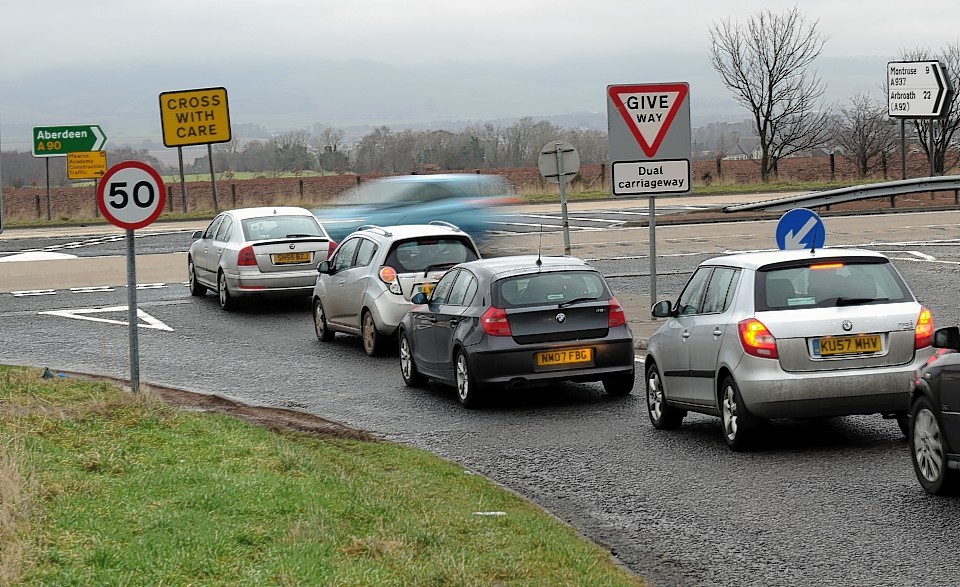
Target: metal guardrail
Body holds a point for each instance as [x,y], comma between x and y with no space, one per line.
[857,192]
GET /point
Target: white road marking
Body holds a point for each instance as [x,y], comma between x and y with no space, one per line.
[83,314]
[151,285]
[35,256]
[32,292]
[91,289]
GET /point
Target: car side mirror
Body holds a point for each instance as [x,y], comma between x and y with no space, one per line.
[419,298]
[197,234]
[947,338]
[324,267]
[662,309]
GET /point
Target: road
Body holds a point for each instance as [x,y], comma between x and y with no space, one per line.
[831,502]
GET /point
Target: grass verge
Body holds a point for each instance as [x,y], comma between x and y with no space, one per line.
[103,487]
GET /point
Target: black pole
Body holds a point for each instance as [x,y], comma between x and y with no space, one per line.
[49,215]
[903,149]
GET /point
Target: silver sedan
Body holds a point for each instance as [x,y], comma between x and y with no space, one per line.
[256,252]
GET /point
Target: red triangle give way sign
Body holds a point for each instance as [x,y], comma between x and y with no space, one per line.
[648,110]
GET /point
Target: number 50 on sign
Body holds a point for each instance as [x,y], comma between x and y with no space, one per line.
[131,195]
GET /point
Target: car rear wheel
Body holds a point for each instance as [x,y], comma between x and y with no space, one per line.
[196,289]
[467,390]
[662,416]
[619,385]
[928,452]
[227,301]
[408,369]
[324,334]
[373,341]
[732,413]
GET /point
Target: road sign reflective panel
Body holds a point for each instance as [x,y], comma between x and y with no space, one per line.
[916,89]
[88,165]
[800,228]
[131,195]
[55,141]
[195,117]
[648,110]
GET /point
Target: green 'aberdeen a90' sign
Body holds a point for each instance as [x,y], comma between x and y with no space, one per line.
[55,141]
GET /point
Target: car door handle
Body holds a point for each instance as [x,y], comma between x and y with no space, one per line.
[717,332]
[686,334]
[454,321]
[341,282]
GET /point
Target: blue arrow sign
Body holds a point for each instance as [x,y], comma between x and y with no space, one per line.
[800,229]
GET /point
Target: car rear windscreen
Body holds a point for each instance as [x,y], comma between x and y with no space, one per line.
[420,254]
[277,227]
[828,283]
[553,287]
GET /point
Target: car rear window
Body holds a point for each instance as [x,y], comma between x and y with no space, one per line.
[420,254]
[273,227]
[828,283]
[552,287]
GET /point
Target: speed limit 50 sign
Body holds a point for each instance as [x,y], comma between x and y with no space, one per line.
[131,195]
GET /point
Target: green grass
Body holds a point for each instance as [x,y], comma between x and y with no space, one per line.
[103,487]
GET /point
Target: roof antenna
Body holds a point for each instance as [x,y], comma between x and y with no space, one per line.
[540,247]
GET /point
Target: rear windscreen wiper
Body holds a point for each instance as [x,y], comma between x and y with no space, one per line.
[575,301]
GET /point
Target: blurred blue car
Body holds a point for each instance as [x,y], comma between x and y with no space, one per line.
[464,199]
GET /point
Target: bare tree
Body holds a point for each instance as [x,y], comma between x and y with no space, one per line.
[945,154]
[863,132]
[764,63]
[327,148]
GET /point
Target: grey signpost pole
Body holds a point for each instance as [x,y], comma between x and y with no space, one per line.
[563,199]
[183,181]
[132,318]
[653,250]
[213,178]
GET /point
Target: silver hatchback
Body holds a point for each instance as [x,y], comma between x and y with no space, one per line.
[365,288]
[787,334]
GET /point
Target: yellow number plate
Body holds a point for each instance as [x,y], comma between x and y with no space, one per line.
[847,345]
[285,258]
[564,357]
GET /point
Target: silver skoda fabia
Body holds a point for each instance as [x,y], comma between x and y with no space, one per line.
[787,334]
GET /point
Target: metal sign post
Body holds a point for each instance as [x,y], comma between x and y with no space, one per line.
[131,195]
[559,162]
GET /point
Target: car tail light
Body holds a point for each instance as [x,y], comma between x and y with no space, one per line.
[246,257]
[757,340]
[923,334]
[388,275]
[616,315]
[495,322]
[332,248]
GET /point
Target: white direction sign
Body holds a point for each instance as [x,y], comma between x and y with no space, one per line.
[916,89]
[651,177]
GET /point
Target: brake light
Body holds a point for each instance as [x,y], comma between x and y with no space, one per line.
[332,248]
[923,334]
[495,322]
[756,340]
[820,266]
[246,257]
[616,315]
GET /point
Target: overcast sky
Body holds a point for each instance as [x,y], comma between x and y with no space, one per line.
[394,61]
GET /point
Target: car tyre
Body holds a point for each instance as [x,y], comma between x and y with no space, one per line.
[408,368]
[903,422]
[619,385]
[196,289]
[468,392]
[737,434]
[927,450]
[324,334]
[662,415]
[373,341]
[227,302]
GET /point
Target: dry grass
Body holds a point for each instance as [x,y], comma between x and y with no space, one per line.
[18,490]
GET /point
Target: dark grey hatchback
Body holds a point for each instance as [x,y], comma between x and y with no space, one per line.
[517,321]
